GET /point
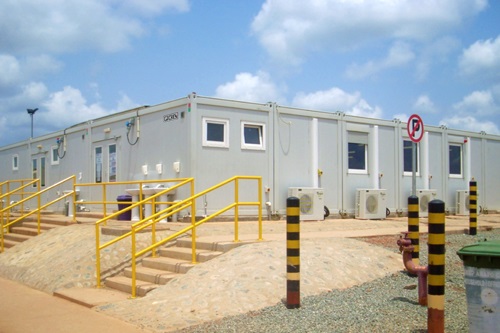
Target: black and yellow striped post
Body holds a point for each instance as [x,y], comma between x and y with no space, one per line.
[292,253]
[413,228]
[472,208]
[436,277]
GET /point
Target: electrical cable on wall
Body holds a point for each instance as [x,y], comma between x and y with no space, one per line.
[61,142]
[130,124]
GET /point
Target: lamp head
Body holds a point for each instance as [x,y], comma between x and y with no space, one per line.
[32,111]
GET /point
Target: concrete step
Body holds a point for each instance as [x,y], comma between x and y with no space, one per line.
[185,253]
[19,238]
[168,264]
[151,275]
[43,225]
[221,246]
[24,231]
[124,284]
[9,243]
[55,219]
[90,297]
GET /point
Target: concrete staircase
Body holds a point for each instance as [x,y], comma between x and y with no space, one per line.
[171,262]
[28,228]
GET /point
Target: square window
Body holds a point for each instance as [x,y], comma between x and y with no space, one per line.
[357,152]
[357,157]
[252,136]
[54,160]
[215,132]
[15,162]
[455,155]
[408,157]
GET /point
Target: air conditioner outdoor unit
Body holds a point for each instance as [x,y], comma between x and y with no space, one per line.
[311,202]
[370,204]
[462,202]
[424,197]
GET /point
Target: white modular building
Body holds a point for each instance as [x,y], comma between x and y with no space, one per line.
[351,165]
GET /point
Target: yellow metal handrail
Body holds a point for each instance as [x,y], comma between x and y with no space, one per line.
[104,187]
[152,220]
[18,191]
[140,203]
[40,207]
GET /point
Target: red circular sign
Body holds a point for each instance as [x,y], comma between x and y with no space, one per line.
[415,128]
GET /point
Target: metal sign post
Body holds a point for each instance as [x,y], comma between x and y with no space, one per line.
[415,129]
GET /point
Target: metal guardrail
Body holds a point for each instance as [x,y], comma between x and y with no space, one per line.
[150,221]
[140,203]
[104,202]
[38,196]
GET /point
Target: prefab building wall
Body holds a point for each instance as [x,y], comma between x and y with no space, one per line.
[213,139]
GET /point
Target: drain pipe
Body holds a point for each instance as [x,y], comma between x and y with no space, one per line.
[421,272]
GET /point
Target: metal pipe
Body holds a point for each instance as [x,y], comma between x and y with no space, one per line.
[421,272]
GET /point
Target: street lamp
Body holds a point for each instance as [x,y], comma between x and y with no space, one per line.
[31,112]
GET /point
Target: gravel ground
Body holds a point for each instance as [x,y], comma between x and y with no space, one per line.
[384,305]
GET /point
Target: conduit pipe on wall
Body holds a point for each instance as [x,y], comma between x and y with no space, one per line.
[468,153]
[421,272]
[374,159]
[424,151]
[314,152]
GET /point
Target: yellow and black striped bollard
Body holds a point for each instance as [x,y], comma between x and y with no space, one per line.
[413,228]
[473,208]
[293,253]
[436,277]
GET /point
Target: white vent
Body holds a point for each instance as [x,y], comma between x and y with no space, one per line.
[370,204]
[311,202]
[463,202]
[424,197]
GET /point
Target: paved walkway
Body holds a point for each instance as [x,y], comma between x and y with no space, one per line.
[27,310]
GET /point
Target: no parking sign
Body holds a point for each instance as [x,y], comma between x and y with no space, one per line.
[415,128]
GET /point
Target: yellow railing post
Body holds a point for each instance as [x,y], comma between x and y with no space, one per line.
[259,182]
[134,250]
[236,210]
[39,214]
[193,223]
[97,256]
[104,199]
[74,200]
[153,229]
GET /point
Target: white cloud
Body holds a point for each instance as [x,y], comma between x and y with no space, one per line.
[335,99]
[470,123]
[249,87]
[288,29]
[68,26]
[398,55]
[15,71]
[10,69]
[424,104]
[481,103]
[482,57]
[68,107]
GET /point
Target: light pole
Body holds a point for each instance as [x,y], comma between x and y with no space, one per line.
[31,112]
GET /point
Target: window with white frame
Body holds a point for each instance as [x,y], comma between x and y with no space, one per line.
[357,147]
[253,136]
[408,157]
[455,160]
[15,162]
[54,156]
[215,132]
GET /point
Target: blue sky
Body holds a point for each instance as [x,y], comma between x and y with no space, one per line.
[77,60]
